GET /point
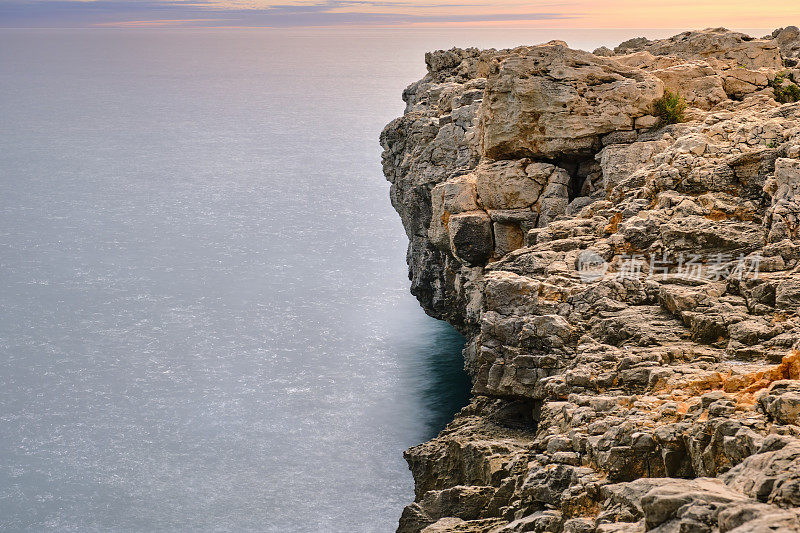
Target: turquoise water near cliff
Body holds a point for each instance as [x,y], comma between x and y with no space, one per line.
[205,322]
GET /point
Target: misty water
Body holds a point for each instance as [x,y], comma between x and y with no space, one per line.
[205,322]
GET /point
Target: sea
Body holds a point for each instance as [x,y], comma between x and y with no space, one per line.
[205,322]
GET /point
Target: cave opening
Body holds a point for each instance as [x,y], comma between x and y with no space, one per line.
[584,174]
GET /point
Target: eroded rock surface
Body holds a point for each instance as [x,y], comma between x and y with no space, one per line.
[629,292]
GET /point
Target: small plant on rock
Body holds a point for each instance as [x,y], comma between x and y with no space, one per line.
[670,108]
[785,88]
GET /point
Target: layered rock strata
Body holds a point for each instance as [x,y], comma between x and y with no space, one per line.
[629,290]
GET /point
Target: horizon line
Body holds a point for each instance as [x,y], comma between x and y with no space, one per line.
[417,26]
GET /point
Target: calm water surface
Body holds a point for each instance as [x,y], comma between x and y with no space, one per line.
[204,316]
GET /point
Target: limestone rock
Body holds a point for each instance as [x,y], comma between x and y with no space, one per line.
[781,402]
[471,236]
[549,100]
[630,292]
[716,43]
[450,198]
[787,178]
[620,161]
[703,90]
[788,40]
[511,184]
[701,85]
[739,82]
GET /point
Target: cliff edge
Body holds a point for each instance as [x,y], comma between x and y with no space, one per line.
[617,234]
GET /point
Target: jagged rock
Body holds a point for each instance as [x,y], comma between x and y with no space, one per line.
[788,40]
[698,234]
[783,218]
[781,402]
[739,82]
[510,294]
[769,477]
[787,178]
[787,295]
[698,83]
[621,161]
[629,292]
[450,198]
[717,43]
[451,525]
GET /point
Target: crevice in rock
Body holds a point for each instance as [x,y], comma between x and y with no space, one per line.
[517,414]
[579,168]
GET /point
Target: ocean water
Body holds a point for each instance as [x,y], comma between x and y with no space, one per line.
[205,322]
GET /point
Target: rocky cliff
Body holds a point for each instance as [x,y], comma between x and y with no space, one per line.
[629,287]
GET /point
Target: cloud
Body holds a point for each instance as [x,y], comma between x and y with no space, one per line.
[293,13]
[157,23]
[204,13]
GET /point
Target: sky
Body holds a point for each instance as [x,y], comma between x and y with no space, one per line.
[399,13]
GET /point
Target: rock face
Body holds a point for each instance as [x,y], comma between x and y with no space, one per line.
[550,102]
[788,39]
[630,292]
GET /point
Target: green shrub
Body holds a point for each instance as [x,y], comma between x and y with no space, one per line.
[785,93]
[788,94]
[670,108]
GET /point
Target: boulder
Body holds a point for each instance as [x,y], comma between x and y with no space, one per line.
[787,295]
[454,196]
[510,294]
[788,40]
[619,161]
[511,184]
[781,402]
[769,477]
[549,101]
[508,236]
[783,218]
[471,237]
[699,235]
[787,180]
[699,84]
[739,82]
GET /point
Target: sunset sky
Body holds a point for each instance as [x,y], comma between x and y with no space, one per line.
[345,13]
